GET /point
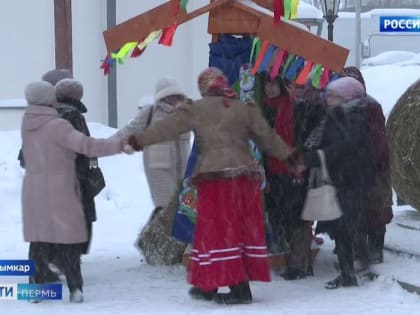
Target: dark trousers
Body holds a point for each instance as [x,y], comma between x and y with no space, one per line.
[284,204]
[68,256]
[344,248]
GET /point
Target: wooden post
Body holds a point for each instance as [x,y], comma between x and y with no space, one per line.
[63,35]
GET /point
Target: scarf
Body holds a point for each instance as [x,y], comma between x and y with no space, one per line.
[284,125]
[212,82]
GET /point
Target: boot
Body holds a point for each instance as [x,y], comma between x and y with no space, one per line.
[198,294]
[343,280]
[239,294]
[376,246]
[293,274]
[76,296]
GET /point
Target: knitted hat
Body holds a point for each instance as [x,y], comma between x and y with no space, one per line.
[56,75]
[40,93]
[167,86]
[69,88]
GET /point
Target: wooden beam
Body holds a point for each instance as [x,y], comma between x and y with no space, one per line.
[63,35]
[303,44]
[160,17]
[228,19]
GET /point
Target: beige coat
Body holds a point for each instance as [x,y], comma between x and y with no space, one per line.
[51,204]
[164,162]
[222,132]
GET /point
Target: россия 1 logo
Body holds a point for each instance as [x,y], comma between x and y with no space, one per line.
[399,24]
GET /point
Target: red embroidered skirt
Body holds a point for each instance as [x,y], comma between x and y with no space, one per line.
[229,244]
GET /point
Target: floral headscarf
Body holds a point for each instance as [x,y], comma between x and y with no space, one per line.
[212,82]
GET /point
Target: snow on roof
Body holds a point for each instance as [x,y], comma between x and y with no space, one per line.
[381,12]
[397,57]
[305,10]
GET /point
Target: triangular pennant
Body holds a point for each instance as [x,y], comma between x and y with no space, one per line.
[294,9]
[317,76]
[255,49]
[149,39]
[267,58]
[294,69]
[278,9]
[260,57]
[175,4]
[287,8]
[277,64]
[168,35]
[183,4]
[325,78]
[106,65]
[137,52]
[303,75]
[290,59]
[123,52]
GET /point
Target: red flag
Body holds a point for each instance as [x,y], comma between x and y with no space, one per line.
[105,65]
[168,35]
[175,4]
[278,9]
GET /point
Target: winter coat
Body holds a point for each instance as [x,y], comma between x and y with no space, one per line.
[222,129]
[380,211]
[348,160]
[51,201]
[89,174]
[164,162]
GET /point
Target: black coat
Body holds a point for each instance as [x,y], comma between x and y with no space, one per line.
[345,144]
[91,180]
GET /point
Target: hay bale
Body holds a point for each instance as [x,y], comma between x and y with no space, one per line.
[403,131]
[156,241]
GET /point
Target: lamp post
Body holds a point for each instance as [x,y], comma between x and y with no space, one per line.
[330,10]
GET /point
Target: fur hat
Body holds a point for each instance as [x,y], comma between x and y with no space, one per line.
[347,87]
[69,88]
[53,76]
[40,93]
[167,86]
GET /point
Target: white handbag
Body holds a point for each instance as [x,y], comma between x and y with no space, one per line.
[321,202]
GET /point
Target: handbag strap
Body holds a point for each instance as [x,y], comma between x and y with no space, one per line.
[324,170]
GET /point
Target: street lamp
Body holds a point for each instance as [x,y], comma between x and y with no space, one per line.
[330,10]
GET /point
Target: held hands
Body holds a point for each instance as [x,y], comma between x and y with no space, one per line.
[296,166]
[131,141]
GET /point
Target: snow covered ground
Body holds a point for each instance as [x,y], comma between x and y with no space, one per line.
[116,280]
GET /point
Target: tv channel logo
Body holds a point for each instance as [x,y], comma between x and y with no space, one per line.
[406,24]
[17,268]
[31,291]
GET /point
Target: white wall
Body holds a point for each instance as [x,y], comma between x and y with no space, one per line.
[183,60]
[27,37]
[89,21]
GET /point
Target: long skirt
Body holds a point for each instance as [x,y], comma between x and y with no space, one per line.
[229,244]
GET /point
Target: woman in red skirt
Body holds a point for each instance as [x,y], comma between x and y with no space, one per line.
[229,246]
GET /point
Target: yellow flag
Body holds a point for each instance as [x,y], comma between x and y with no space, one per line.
[149,39]
[123,52]
[294,11]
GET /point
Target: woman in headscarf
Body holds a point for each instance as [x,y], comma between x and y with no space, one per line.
[379,213]
[342,137]
[229,246]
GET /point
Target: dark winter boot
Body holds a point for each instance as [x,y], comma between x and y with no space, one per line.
[198,294]
[343,280]
[239,294]
[376,246]
[293,274]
